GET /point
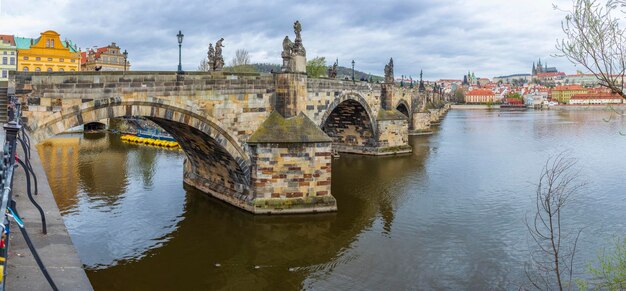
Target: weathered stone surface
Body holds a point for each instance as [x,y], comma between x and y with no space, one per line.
[292,177]
[236,150]
[299,129]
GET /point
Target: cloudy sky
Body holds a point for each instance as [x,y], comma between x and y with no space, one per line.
[445,38]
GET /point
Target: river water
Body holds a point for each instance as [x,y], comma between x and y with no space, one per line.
[448,216]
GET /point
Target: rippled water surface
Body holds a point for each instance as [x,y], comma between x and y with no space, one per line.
[448,216]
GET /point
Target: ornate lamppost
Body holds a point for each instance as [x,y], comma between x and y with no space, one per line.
[352,71]
[125,53]
[180,36]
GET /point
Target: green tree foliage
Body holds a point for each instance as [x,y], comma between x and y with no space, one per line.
[459,95]
[316,67]
[515,95]
[610,273]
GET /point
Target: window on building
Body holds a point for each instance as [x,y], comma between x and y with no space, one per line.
[37,59]
[12,53]
[61,70]
[25,58]
[52,43]
[4,52]
[25,69]
[37,69]
[105,59]
[72,70]
[61,60]
[49,69]
[73,61]
[4,73]
[49,59]
[12,61]
[47,43]
[5,60]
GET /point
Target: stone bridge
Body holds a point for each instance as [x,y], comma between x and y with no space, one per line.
[262,142]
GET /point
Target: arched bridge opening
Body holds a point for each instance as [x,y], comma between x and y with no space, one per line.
[349,123]
[403,108]
[94,126]
[215,162]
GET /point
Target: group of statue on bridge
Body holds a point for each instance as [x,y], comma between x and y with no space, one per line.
[216,60]
[292,49]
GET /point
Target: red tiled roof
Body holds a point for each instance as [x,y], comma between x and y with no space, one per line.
[480,92]
[569,88]
[7,39]
[550,74]
[512,101]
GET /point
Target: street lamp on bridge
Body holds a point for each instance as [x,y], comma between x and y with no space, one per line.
[125,53]
[180,36]
[352,71]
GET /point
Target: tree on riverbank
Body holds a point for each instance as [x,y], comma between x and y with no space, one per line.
[610,273]
[595,40]
[554,249]
[316,67]
[241,63]
[204,66]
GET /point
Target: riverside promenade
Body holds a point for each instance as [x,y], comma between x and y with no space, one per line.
[55,249]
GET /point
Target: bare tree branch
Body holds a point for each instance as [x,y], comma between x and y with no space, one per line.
[595,40]
[552,256]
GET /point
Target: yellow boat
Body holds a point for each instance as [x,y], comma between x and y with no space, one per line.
[150,141]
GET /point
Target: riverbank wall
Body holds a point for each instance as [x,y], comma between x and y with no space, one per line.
[474,107]
[55,248]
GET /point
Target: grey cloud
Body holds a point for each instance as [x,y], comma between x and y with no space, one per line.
[446,38]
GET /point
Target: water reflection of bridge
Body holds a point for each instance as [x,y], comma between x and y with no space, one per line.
[286,249]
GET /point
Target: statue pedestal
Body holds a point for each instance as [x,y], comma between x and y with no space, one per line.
[298,64]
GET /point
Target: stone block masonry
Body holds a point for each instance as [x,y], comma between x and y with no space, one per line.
[261,142]
[292,177]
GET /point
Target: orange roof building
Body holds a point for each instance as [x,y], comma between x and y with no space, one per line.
[108,58]
[480,96]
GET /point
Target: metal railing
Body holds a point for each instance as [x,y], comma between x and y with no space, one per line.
[15,133]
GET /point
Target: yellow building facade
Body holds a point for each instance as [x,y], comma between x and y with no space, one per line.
[48,53]
[564,93]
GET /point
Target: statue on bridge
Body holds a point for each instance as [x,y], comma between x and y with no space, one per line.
[332,71]
[216,60]
[389,72]
[219,59]
[294,54]
[211,57]
[422,88]
[286,54]
[298,48]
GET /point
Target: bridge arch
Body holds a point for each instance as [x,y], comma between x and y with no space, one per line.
[216,162]
[350,122]
[404,108]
